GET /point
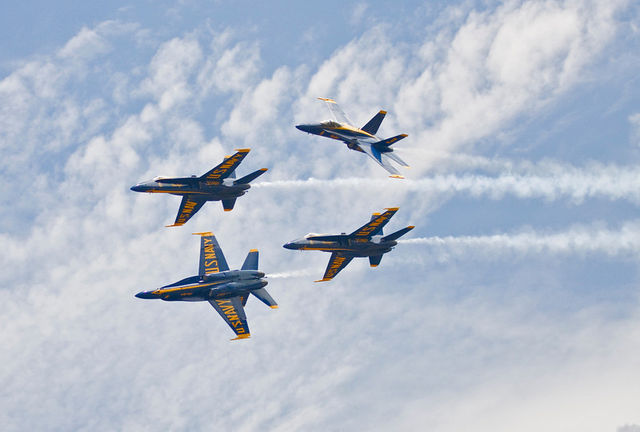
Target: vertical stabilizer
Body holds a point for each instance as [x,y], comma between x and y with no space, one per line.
[251,261]
[374,123]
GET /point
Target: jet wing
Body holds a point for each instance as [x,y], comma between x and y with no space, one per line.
[336,111]
[337,262]
[188,207]
[380,158]
[224,169]
[211,257]
[232,312]
[374,225]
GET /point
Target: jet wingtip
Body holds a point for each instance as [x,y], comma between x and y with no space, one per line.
[274,307]
[396,176]
[392,208]
[243,150]
[242,336]
[411,227]
[173,225]
[206,233]
[327,99]
[228,210]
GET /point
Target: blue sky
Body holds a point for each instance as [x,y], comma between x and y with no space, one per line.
[513,304]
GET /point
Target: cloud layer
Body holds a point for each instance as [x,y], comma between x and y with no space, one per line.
[495,340]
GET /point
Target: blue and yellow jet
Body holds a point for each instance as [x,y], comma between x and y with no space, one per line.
[226,290]
[218,184]
[359,139]
[366,241]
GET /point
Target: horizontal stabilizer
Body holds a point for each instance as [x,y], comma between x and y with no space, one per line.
[396,235]
[250,177]
[227,204]
[179,180]
[375,260]
[387,142]
[374,123]
[265,298]
[251,261]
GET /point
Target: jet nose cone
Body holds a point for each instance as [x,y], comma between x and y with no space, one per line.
[136,188]
[304,128]
[289,246]
[145,295]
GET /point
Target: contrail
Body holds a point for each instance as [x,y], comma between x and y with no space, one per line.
[551,182]
[576,240]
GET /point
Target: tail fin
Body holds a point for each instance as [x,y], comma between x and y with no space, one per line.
[250,177]
[227,204]
[251,261]
[383,145]
[396,235]
[265,298]
[374,123]
[374,260]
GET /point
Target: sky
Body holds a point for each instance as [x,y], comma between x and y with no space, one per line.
[513,305]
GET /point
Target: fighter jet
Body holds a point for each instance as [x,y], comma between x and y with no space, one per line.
[226,290]
[218,184]
[366,241]
[359,139]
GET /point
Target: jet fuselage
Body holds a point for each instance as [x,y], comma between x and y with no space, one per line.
[207,190]
[348,246]
[226,284]
[338,131]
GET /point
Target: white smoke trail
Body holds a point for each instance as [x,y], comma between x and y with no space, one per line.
[292,274]
[576,240]
[550,181]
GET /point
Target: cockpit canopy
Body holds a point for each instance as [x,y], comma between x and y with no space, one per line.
[314,235]
[330,123]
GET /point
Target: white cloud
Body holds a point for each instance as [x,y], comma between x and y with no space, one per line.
[79,351]
[470,82]
[170,71]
